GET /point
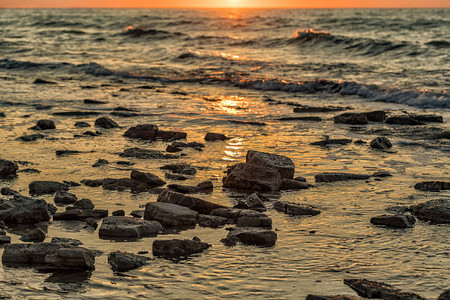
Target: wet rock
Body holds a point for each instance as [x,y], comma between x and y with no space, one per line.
[123,261]
[43,81]
[125,163]
[444,296]
[145,132]
[397,221]
[8,192]
[432,186]
[122,184]
[300,178]
[44,124]
[328,141]
[2,225]
[215,137]
[67,242]
[84,204]
[250,236]
[4,239]
[254,202]
[251,177]
[309,109]
[170,135]
[178,248]
[170,215]
[434,211]
[100,162]
[146,154]
[62,197]
[291,184]
[21,209]
[248,122]
[373,289]
[119,212]
[90,101]
[82,124]
[8,169]
[2,115]
[381,143]
[382,174]
[251,218]
[376,116]
[296,208]
[128,227]
[92,182]
[150,180]
[31,137]
[91,222]
[173,149]
[76,113]
[124,114]
[427,118]
[105,122]
[36,235]
[211,221]
[283,164]
[402,120]
[332,177]
[206,186]
[194,145]
[80,214]
[199,205]
[313,119]
[351,118]
[336,297]
[180,169]
[29,171]
[66,152]
[175,177]
[137,213]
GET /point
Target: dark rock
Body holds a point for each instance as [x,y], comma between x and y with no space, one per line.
[170,135]
[8,169]
[313,119]
[211,221]
[332,142]
[250,236]
[8,192]
[427,118]
[91,133]
[44,124]
[251,177]
[89,101]
[21,209]
[351,118]
[126,163]
[444,296]
[62,197]
[105,122]
[255,202]
[178,248]
[66,152]
[145,132]
[31,137]
[300,178]
[2,115]
[170,215]
[36,235]
[435,211]
[185,189]
[137,213]
[67,242]
[91,222]
[146,154]
[194,145]
[402,120]
[121,108]
[150,180]
[373,289]
[123,261]
[29,171]
[122,184]
[376,116]
[4,239]
[119,212]
[100,162]
[92,182]
[291,184]
[332,177]
[398,221]
[199,205]
[381,174]
[432,186]
[308,109]
[295,208]
[42,81]
[283,164]
[180,169]
[336,297]
[128,227]
[80,214]
[381,143]
[250,218]
[215,137]
[248,122]
[76,113]
[173,149]
[175,177]
[82,124]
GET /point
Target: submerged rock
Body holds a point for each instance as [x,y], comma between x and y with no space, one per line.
[44,124]
[351,118]
[332,142]
[180,169]
[199,205]
[215,137]
[251,218]
[146,154]
[381,143]
[250,236]
[373,289]
[105,122]
[178,248]
[398,221]
[432,186]
[145,132]
[170,135]
[308,109]
[283,164]
[376,116]
[332,177]
[46,187]
[402,120]
[251,177]
[295,208]
[427,118]
[170,215]
[435,211]
[124,261]
[21,209]
[291,184]
[8,169]
[336,297]
[128,227]
[31,137]
[81,124]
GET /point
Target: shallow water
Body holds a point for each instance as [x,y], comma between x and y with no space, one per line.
[199,84]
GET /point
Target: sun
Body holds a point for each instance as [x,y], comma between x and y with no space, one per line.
[234,3]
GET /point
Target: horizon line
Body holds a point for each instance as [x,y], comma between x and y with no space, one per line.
[227,7]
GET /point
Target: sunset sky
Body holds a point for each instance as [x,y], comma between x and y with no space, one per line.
[221,3]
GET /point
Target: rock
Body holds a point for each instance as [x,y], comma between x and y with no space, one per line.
[66,241]
[373,289]
[48,257]
[199,205]
[146,154]
[21,209]
[125,163]
[444,296]
[8,192]
[42,81]
[170,215]
[2,225]
[300,178]
[150,180]
[29,171]
[100,162]
[250,218]
[229,213]
[62,197]
[351,118]
[432,186]
[205,185]
[91,222]
[4,239]
[296,208]
[336,297]
[332,177]
[402,120]
[123,184]
[76,113]
[31,137]
[175,177]
[332,142]
[251,177]
[84,204]
[435,211]
[123,261]
[44,124]
[119,212]
[381,143]
[382,174]
[82,124]
[127,227]
[36,235]
[66,152]
[398,221]
[251,236]
[215,137]
[255,202]
[291,184]
[308,109]
[8,169]
[80,214]
[313,119]
[124,114]
[170,135]
[376,116]
[137,213]
[180,169]
[145,132]
[173,149]
[283,164]
[194,145]
[178,248]
[89,101]
[427,118]
[105,122]
[211,221]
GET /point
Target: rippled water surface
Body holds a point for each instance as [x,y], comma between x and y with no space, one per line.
[201,69]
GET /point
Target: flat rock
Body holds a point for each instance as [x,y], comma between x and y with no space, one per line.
[46,187]
[427,118]
[150,180]
[251,177]
[211,221]
[327,142]
[145,132]
[351,118]
[119,212]
[283,164]
[76,113]
[251,218]
[8,169]
[381,143]
[435,211]
[146,154]
[402,120]
[432,186]
[31,137]
[397,221]
[332,177]
[81,124]
[4,239]
[180,169]
[35,235]
[105,122]
[124,261]
[376,116]
[128,227]
[313,119]
[373,289]
[250,236]
[67,242]
[199,205]
[215,137]
[170,135]
[314,109]
[178,248]
[21,209]
[335,297]
[80,214]
[170,215]
[291,184]
[63,197]
[296,208]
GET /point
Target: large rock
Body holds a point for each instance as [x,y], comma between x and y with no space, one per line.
[211,221]
[145,132]
[44,124]
[376,116]
[251,177]
[251,218]
[62,197]
[250,236]
[435,211]
[170,215]
[283,164]
[21,209]
[427,118]
[105,122]
[381,143]
[128,227]
[35,235]
[178,248]
[199,205]
[170,135]
[373,289]
[295,208]
[84,204]
[402,120]
[146,154]
[397,221]
[332,177]
[150,180]
[8,169]
[123,261]
[432,186]
[210,136]
[48,256]
[46,187]
[351,118]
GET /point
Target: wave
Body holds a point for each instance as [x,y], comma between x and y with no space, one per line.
[439,44]
[138,31]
